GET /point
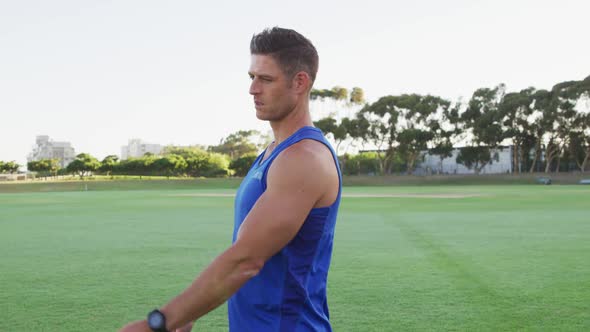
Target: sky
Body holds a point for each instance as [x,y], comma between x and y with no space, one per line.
[98,73]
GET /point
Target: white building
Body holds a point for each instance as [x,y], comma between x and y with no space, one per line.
[136,148]
[47,149]
[433,165]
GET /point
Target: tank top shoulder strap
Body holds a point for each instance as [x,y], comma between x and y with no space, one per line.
[301,134]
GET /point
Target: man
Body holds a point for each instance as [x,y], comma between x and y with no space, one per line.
[274,274]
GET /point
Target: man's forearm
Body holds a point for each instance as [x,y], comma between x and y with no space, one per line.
[217,283]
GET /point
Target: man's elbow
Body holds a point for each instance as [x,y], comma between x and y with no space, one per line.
[250,267]
[246,263]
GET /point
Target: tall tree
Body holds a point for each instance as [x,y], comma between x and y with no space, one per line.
[9,167]
[419,115]
[336,93]
[483,123]
[84,164]
[242,165]
[170,165]
[476,157]
[559,121]
[35,166]
[539,123]
[579,149]
[358,129]
[326,125]
[411,144]
[207,164]
[343,105]
[357,96]
[444,128]
[108,164]
[130,166]
[515,110]
[443,148]
[237,144]
[381,120]
[579,135]
[185,151]
[54,166]
[44,167]
[339,93]
[338,131]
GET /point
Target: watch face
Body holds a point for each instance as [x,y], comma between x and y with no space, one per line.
[156,320]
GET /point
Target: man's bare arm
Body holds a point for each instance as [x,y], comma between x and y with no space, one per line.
[296,182]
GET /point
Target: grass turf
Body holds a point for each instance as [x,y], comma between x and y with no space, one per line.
[513,258]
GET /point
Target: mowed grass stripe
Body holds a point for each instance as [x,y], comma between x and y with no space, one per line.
[506,261]
[116,252]
[510,258]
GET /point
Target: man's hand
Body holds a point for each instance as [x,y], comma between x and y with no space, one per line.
[138,326]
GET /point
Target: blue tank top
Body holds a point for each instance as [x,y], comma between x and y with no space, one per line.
[289,293]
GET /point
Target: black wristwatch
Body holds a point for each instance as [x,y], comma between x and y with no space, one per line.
[157,321]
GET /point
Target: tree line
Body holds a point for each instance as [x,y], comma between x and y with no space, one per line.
[8,167]
[548,129]
[233,156]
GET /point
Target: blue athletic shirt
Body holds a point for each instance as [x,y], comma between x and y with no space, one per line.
[289,293]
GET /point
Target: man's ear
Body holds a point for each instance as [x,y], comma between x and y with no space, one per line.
[302,82]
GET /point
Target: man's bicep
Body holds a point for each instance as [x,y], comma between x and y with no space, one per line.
[280,212]
[271,224]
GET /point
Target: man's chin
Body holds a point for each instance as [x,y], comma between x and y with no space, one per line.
[272,116]
[264,117]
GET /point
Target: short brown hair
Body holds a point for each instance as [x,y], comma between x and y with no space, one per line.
[290,49]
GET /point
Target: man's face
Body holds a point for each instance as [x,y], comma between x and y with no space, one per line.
[274,97]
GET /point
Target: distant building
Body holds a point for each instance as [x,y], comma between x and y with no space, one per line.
[47,149]
[136,148]
[433,165]
[428,164]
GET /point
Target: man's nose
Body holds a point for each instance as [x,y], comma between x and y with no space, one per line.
[254,87]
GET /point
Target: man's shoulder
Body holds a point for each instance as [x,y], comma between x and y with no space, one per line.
[308,161]
[307,153]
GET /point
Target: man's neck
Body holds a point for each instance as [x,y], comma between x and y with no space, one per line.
[296,120]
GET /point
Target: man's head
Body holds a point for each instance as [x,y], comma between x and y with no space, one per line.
[292,52]
[283,68]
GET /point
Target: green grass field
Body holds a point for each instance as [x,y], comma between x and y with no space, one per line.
[502,258]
